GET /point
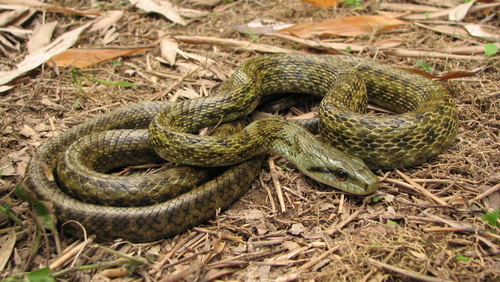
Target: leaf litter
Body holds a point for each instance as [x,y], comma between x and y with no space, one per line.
[425,223]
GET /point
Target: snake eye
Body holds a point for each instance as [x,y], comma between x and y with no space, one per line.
[341,174]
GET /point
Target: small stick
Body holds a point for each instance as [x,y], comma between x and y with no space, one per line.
[269,194]
[407,272]
[277,184]
[317,259]
[486,193]
[421,189]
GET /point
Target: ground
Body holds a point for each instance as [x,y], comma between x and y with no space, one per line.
[315,233]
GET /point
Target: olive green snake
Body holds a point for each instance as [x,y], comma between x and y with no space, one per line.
[425,125]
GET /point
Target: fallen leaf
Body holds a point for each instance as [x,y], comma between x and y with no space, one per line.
[333,48]
[17,32]
[168,49]
[455,31]
[108,19]
[5,88]
[232,43]
[192,13]
[82,58]
[110,35]
[322,3]
[210,3]
[6,249]
[165,8]
[479,31]
[344,26]
[39,57]
[7,167]
[409,7]
[297,229]
[41,36]
[8,47]
[447,76]
[9,16]
[260,26]
[459,13]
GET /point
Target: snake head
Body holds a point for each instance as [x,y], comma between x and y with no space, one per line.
[350,175]
[325,163]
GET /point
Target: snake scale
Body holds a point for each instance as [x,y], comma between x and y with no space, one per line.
[425,125]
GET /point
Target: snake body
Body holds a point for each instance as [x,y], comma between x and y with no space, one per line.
[425,126]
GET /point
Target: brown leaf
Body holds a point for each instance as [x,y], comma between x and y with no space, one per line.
[82,58]
[322,3]
[344,26]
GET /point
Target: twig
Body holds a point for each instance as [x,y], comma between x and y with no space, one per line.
[58,262]
[422,190]
[156,268]
[269,194]
[317,259]
[407,273]
[486,193]
[277,184]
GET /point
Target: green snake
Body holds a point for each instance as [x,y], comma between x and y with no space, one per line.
[425,125]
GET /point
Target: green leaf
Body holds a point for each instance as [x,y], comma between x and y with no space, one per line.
[40,275]
[424,65]
[40,209]
[462,258]
[348,49]
[490,49]
[75,71]
[391,223]
[492,217]
[252,35]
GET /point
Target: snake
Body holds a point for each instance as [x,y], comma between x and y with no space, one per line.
[352,143]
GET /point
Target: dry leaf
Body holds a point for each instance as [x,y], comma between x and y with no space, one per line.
[479,31]
[7,45]
[110,35]
[5,88]
[192,13]
[459,13]
[425,54]
[109,18]
[210,3]
[82,58]
[448,76]
[333,48]
[41,36]
[9,16]
[165,8]
[260,26]
[467,50]
[17,32]
[8,242]
[231,43]
[168,48]
[322,3]
[344,26]
[409,7]
[454,31]
[32,61]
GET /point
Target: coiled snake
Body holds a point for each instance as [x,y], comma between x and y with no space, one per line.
[426,125]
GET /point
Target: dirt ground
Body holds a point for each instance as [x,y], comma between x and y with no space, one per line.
[397,234]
